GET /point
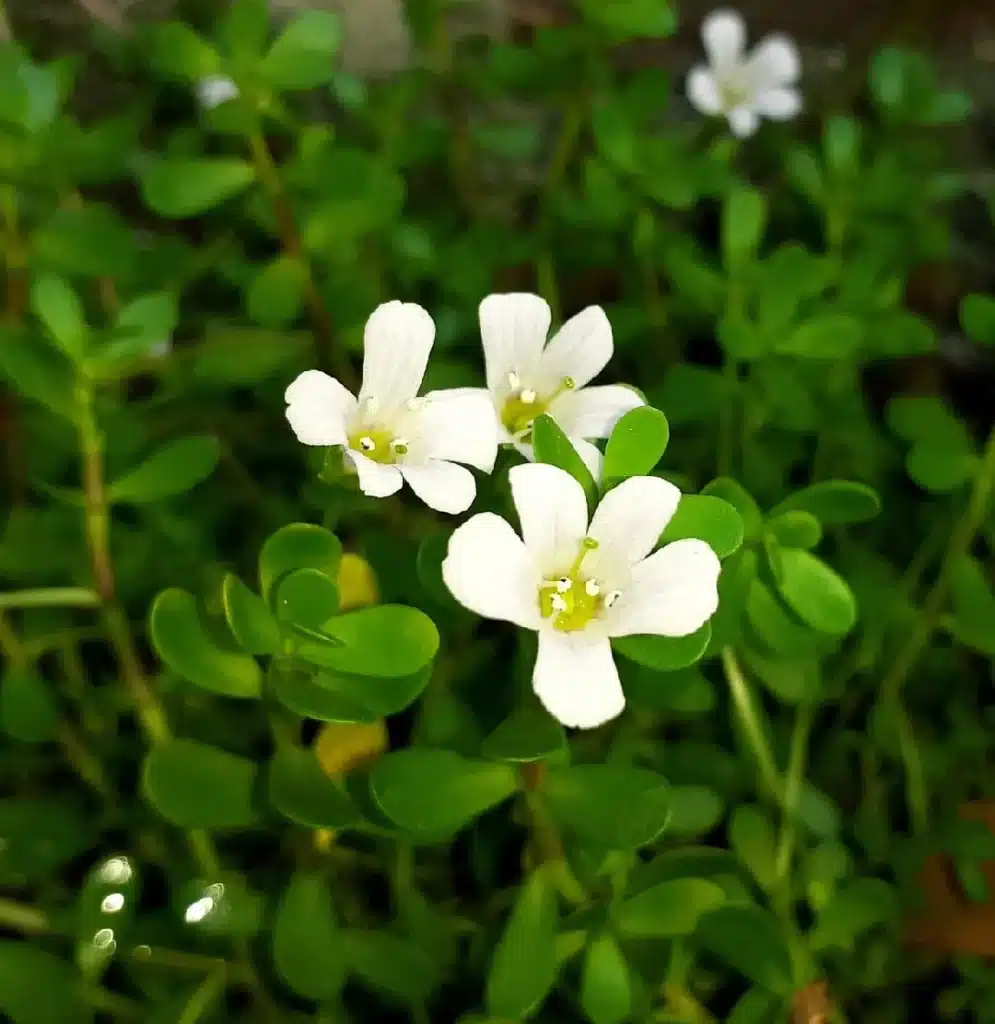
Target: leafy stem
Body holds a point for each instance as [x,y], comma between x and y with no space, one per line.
[742,700]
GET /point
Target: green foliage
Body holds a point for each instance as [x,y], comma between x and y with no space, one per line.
[316,787]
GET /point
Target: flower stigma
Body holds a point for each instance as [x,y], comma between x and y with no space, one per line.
[523,404]
[377,444]
[572,600]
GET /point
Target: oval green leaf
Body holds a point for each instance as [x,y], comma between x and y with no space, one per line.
[306,598]
[529,733]
[28,709]
[300,688]
[301,792]
[669,909]
[552,446]
[665,653]
[637,443]
[816,593]
[307,944]
[174,469]
[298,546]
[749,940]
[249,618]
[834,502]
[707,518]
[605,985]
[36,987]
[181,187]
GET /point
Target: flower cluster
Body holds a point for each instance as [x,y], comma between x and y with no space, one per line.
[577,583]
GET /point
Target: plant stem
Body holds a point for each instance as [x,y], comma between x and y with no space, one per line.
[207,993]
[23,918]
[50,597]
[742,700]
[804,717]
[327,354]
[961,540]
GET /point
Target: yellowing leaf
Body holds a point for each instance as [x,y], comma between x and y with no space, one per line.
[343,746]
[357,584]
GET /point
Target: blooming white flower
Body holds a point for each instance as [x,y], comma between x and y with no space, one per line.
[577,584]
[744,88]
[391,436]
[526,377]
[214,90]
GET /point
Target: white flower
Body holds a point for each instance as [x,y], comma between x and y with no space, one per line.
[389,434]
[161,348]
[214,90]
[745,88]
[578,584]
[526,377]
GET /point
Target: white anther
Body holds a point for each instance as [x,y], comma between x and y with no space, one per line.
[591,588]
[367,444]
[564,584]
[527,396]
[514,381]
[558,603]
[612,598]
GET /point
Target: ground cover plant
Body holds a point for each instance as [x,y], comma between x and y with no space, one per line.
[488,543]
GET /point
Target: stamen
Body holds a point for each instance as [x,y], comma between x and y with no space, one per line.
[564,584]
[514,381]
[568,384]
[612,598]
[558,603]
[399,446]
[371,405]
[527,396]
[591,588]
[587,545]
[367,444]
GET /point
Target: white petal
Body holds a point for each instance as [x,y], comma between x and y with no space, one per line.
[580,349]
[375,479]
[591,456]
[443,486]
[724,35]
[629,520]
[671,593]
[774,61]
[319,408]
[743,121]
[214,90]
[703,91]
[513,330]
[396,344]
[460,425]
[576,679]
[779,104]
[552,509]
[593,412]
[490,571]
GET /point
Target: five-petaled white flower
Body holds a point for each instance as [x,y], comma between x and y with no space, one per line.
[214,90]
[389,434]
[578,583]
[526,377]
[745,88]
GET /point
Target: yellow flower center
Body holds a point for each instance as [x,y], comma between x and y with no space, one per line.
[378,444]
[573,600]
[524,404]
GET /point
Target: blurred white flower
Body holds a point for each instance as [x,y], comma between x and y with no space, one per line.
[214,90]
[526,377]
[741,87]
[577,584]
[390,435]
[161,348]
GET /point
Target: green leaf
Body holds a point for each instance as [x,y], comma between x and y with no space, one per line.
[308,947]
[225,906]
[141,325]
[276,294]
[37,987]
[816,593]
[41,836]
[605,985]
[854,909]
[691,394]
[298,546]
[437,790]
[637,443]
[707,518]
[552,446]
[37,371]
[752,838]
[178,51]
[58,307]
[750,941]
[776,625]
[180,187]
[307,598]
[825,336]
[523,968]
[382,695]
[834,502]
[841,144]
[245,28]
[665,653]
[106,906]
[928,419]
[792,680]
[397,967]
[742,501]
[249,618]
[744,218]
[92,241]
[196,786]
[310,693]
[174,469]
[301,792]
[302,56]
[182,642]
[529,733]
[939,469]
[386,640]
[977,314]
[972,618]
[615,807]
[28,709]
[631,19]
[795,529]
[695,810]
[668,909]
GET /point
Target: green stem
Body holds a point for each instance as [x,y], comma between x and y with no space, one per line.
[792,793]
[50,597]
[207,993]
[23,918]
[742,699]
[961,540]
